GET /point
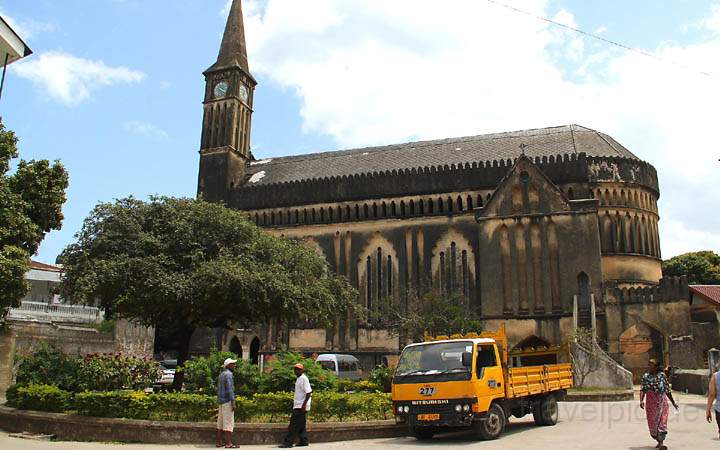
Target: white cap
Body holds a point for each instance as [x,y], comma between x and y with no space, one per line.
[229,361]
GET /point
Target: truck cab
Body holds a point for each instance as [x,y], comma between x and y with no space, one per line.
[449,384]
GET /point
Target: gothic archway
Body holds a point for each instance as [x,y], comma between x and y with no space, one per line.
[235,347]
[255,351]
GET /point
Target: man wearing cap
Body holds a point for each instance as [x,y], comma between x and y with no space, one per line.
[301,405]
[226,400]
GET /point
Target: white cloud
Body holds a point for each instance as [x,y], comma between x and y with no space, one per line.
[712,22]
[375,72]
[145,129]
[70,79]
[27,28]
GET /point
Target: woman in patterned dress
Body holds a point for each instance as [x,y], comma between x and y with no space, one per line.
[656,390]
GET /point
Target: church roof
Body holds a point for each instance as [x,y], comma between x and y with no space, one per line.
[233,50]
[553,141]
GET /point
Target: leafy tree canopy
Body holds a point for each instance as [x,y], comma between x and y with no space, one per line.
[699,267]
[185,264]
[31,198]
[434,313]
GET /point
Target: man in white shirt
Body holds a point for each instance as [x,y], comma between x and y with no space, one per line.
[301,405]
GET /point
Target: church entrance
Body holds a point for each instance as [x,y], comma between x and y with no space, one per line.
[255,351]
[235,347]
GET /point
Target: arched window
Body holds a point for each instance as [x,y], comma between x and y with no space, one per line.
[402,208]
[412,208]
[322,214]
[384,209]
[440,205]
[469,202]
[375,210]
[431,208]
[393,210]
[389,276]
[421,207]
[366,211]
[369,284]
[459,203]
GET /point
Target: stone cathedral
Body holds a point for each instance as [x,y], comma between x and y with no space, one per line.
[542,229]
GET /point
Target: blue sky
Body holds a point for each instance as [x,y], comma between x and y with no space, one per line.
[114,89]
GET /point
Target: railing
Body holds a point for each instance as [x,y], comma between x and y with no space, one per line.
[69,313]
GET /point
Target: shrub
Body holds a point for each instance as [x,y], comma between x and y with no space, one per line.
[48,365]
[357,386]
[40,397]
[11,394]
[276,405]
[375,406]
[139,405]
[107,372]
[201,374]
[382,376]
[282,376]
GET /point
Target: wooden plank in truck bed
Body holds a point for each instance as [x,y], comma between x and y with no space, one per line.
[534,380]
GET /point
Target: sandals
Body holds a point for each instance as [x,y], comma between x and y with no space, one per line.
[232,446]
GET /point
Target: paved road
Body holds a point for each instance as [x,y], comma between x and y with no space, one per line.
[586,426]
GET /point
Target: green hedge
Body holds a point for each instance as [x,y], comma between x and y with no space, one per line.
[39,397]
[276,407]
[139,405]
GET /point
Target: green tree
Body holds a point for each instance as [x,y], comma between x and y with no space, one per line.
[434,313]
[31,200]
[699,267]
[186,264]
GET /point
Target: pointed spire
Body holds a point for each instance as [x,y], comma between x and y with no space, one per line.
[233,51]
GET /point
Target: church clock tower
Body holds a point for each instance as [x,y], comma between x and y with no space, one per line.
[229,90]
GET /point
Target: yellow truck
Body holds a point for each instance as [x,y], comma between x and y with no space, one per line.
[448,384]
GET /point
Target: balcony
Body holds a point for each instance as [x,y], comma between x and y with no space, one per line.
[56,313]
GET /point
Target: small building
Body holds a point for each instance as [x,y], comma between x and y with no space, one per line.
[44,280]
[704,302]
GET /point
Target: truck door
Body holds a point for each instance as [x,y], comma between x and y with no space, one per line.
[488,371]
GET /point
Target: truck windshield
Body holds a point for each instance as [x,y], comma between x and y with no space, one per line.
[441,361]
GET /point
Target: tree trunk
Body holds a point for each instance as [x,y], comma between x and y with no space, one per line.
[183,352]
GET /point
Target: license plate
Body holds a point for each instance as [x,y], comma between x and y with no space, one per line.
[428,417]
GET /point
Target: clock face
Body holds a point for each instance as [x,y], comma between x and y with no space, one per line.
[221,89]
[243,93]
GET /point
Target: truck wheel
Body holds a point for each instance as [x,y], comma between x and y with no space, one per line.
[493,425]
[423,433]
[545,412]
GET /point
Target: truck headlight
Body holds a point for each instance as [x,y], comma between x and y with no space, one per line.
[400,410]
[406,409]
[466,408]
[458,408]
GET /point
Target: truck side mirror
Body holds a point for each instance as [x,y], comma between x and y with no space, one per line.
[467,359]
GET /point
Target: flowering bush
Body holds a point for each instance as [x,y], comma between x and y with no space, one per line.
[48,365]
[107,372]
[95,372]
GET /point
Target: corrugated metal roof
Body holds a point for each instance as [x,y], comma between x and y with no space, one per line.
[554,141]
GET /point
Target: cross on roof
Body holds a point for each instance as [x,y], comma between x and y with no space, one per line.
[522,148]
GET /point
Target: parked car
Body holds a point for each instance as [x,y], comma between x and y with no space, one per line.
[343,366]
[167,373]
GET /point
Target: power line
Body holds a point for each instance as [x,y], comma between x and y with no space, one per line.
[600,38]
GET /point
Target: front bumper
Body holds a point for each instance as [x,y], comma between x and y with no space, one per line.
[448,415]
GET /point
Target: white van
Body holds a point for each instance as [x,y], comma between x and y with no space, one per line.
[343,366]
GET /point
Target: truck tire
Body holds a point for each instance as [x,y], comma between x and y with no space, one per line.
[493,425]
[423,433]
[545,411]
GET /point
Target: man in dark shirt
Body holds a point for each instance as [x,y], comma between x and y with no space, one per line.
[226,402]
